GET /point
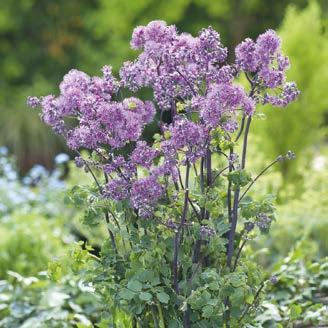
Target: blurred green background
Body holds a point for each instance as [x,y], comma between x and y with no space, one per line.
[40,40]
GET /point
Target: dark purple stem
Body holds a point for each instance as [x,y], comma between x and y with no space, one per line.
[178,233]
[234,219]
[238,254]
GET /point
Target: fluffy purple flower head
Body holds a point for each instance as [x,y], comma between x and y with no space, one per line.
[133,75]
[50,114]
[145,193]
[264,58]
[190,77]
[143,154]
[209,47]
[155,31]
[188,137]
[79,161]
[117,189]
[218,108]
[100,120]
[145,110]
[174,65]
[116,163]
[138,38]
[33,102]
[245,56]
[288,95]
[267,45]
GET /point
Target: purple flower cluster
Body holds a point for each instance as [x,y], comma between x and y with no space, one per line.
[191,78]
[220,105]
[144,155]
[186,137]
[174,65]
[289,93]
[263,221]
[265,60]
[86,113]
[206,232]
[145,193]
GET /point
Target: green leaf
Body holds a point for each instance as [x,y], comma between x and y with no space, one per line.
[55,271]
[214,285]
[236,280]
[295,311]
[239,178]
[208,311]
[250,298]
[144,296]
[126,294]
[163,297]
[135,285]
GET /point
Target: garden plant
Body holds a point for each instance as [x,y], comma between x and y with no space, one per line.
[178,208]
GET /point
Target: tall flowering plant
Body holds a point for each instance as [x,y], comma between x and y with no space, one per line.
[177,209]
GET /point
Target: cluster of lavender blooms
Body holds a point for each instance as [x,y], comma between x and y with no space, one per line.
[190,78]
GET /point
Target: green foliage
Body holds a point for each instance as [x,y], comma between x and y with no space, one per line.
[303,217]
[83,290]
[299,297]
[23,248]
[36,302]
[32,233]
[134,275]
[239,178]
[300,126]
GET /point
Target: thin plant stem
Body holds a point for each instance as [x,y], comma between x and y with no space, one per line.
[194,209]
[249,306]
[229,201]
[241,128]
[195,169]
[202,183]
[186,318]
[161,316]
[179,231]
[243,158]
[238,254]
[234,219]
[180,178]
[219,173]
[153,313]
[209,180]
[209,166]
[257,177]
[111,235]
[233,228]
[208,173]
[231,167]
[112,238]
